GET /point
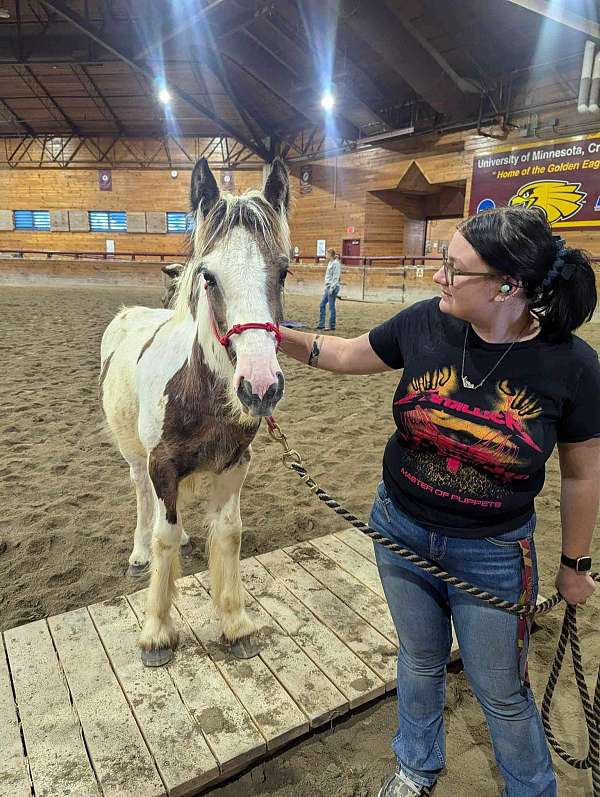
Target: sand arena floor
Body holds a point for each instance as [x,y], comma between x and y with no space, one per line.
[69,513]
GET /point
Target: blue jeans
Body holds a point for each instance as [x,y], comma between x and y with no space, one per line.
[421,606]
[328,297]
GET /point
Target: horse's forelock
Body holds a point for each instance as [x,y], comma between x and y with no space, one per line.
[252,212]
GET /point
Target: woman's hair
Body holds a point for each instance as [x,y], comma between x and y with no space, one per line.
[331,251]
[559,282]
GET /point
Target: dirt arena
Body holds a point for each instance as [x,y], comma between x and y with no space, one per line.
[68,513]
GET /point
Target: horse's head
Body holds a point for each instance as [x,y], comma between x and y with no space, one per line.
[236,278]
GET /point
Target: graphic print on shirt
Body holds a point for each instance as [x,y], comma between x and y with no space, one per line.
[460,449]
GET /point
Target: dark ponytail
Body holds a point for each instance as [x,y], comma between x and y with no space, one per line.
[559,282]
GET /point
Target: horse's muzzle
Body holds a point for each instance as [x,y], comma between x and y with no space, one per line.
[257,406]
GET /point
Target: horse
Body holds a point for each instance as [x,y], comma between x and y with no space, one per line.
[183,398]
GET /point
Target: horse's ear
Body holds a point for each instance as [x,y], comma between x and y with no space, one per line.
[204,191]
[173,270]
[277,186]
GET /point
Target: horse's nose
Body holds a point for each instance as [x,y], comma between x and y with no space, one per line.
[257,406]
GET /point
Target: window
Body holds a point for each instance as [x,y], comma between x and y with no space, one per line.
[108,220]
[32,220]
[178,221]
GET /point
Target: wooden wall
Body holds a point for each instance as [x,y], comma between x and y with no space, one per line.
[352,196]
[348,191]
[132,190]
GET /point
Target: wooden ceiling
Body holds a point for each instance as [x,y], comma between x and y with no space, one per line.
[254,71]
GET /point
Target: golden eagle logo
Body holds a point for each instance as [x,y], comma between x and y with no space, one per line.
[557,198]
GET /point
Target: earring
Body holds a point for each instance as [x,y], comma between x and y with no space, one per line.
[505,288]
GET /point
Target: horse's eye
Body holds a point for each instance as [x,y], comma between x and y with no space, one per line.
[209,278]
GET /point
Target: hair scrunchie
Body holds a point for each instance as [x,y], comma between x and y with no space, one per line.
[559,267]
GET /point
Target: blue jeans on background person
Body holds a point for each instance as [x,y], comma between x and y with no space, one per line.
[328,297]
[421,606]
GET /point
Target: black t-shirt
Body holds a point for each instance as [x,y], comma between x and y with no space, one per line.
[468,463]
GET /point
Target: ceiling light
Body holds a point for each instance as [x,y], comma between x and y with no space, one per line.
[164,96]
[4,13]
[327,101]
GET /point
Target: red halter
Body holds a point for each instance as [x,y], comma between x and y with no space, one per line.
[237,329]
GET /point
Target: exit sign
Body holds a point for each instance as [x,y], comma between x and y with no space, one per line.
[350,229]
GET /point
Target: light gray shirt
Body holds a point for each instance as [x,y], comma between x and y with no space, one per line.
[333,273]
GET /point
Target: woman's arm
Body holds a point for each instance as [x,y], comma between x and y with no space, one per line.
[579,501]
[341,355]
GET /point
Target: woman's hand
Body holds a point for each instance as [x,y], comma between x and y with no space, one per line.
[574,587]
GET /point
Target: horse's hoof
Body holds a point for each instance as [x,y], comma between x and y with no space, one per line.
[244,648]
[157,658]
[138,571]
[187,549]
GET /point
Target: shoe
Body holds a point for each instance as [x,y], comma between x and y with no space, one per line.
[329,329]
[399,785]
[319,327]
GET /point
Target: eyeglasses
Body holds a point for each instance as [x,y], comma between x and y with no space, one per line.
[450,271]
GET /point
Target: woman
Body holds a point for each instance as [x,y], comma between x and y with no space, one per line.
[331,290]
[493,379]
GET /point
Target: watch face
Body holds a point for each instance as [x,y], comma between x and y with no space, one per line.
[584,563]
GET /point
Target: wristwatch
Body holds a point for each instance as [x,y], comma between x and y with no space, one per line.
[583,564]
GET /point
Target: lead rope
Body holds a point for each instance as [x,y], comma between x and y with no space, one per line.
[569,633]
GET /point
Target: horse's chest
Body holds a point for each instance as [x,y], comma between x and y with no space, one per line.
[202,437]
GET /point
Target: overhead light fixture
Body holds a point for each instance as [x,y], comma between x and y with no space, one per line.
[327,101]
[4,12]
[164,95]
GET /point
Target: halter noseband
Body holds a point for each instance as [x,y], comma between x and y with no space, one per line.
[237,329]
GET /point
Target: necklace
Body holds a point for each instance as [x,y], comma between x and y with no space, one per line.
[465,380]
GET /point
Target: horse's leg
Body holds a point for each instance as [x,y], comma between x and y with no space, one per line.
[159,635]
[139,561]
[224,540]
[186,545]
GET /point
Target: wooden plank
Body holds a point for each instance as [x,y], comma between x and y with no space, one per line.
[364,602]
[354,562]
[57,757]
[350,675]
[227,726]
[273,711]
[351,561]
[369,645]
[176,742]
[119,754]
[14,775]
[314,693]
[359,542]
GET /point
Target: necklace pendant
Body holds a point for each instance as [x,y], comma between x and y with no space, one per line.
[468,384]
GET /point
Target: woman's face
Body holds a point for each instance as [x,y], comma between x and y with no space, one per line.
[469,295]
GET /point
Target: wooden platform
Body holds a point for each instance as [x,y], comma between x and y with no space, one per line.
[81,717]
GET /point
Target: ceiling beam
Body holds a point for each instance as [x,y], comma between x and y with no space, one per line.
[466,86]
[80,23]
[243,53]
[175,31]
[73,127]
[407,57]
[558,13]
[12,117]
[81,70]
[303,44]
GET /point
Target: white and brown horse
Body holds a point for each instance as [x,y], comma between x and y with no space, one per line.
[183,391]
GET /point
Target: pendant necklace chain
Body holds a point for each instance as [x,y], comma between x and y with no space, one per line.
[465,380]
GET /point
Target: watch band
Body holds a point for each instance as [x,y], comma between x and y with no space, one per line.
[582,564]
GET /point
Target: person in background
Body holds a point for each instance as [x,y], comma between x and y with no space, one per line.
[331,290]
[493,378]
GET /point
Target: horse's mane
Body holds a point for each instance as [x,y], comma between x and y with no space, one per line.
[252,212]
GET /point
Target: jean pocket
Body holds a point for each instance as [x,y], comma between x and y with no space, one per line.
[511,539]
[384,501]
